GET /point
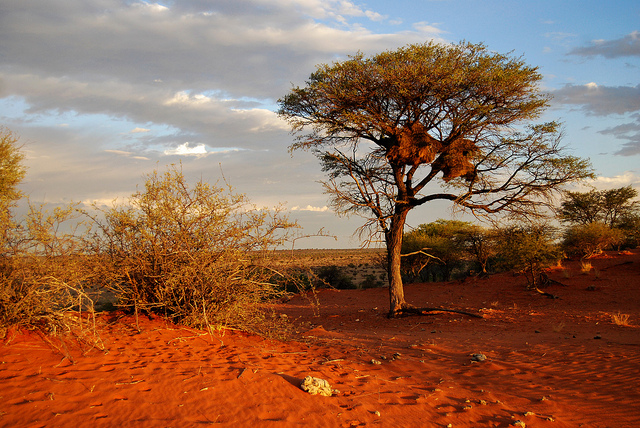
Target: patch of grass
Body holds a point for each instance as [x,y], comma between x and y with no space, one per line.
[585,267]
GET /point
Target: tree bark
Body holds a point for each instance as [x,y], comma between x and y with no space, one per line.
[394,251]
[397,304]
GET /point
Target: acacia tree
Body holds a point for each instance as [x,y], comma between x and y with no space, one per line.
[610,207]
[429,122]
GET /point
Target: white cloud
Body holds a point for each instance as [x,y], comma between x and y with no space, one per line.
[425,27]
[310,208]
[625,179]
[125,153]
[186,150]
[185,99]
[139,130]
[119,152]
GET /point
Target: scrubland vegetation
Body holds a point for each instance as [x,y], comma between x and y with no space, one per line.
[195,254]
[203,256]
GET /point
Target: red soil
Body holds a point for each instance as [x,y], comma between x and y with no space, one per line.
[550,362]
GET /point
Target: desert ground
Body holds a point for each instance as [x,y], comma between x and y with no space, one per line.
[573,361]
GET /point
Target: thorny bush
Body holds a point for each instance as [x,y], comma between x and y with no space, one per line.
[194,254]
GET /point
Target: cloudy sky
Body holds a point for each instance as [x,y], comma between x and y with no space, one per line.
[104,91]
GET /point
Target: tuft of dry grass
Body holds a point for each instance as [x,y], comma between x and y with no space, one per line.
[585,267]
[620,319]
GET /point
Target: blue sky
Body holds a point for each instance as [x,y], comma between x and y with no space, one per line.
[104,91]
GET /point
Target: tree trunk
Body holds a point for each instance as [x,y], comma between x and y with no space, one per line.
[394,250]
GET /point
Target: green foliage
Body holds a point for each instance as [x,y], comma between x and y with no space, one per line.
[609,207]
[192,253]
[629,225]
[389,127]
[588,240]
[370,281]
[293,280]
[434,251]
[334,276]
[530,249]
[600,219]
[441,243]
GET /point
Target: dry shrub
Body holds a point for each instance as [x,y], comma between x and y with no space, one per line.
[585,267]
[44,271]
[194,254]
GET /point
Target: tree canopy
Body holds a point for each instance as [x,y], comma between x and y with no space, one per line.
[429,122]
[610,207]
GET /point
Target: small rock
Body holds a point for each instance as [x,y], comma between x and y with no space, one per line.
[482,403]
[597,336]
[316,386]
[478,357]
[519,424]
[377,413]
[374,361]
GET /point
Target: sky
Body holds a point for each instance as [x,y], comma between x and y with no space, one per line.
[102,92]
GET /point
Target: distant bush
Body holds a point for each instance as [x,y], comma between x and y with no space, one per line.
[629,225]
[293,280]
[588,240]
[445,249]
[333,276]
[370,281]
[528,248]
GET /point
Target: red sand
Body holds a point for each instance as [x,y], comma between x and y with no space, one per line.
[550,363]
